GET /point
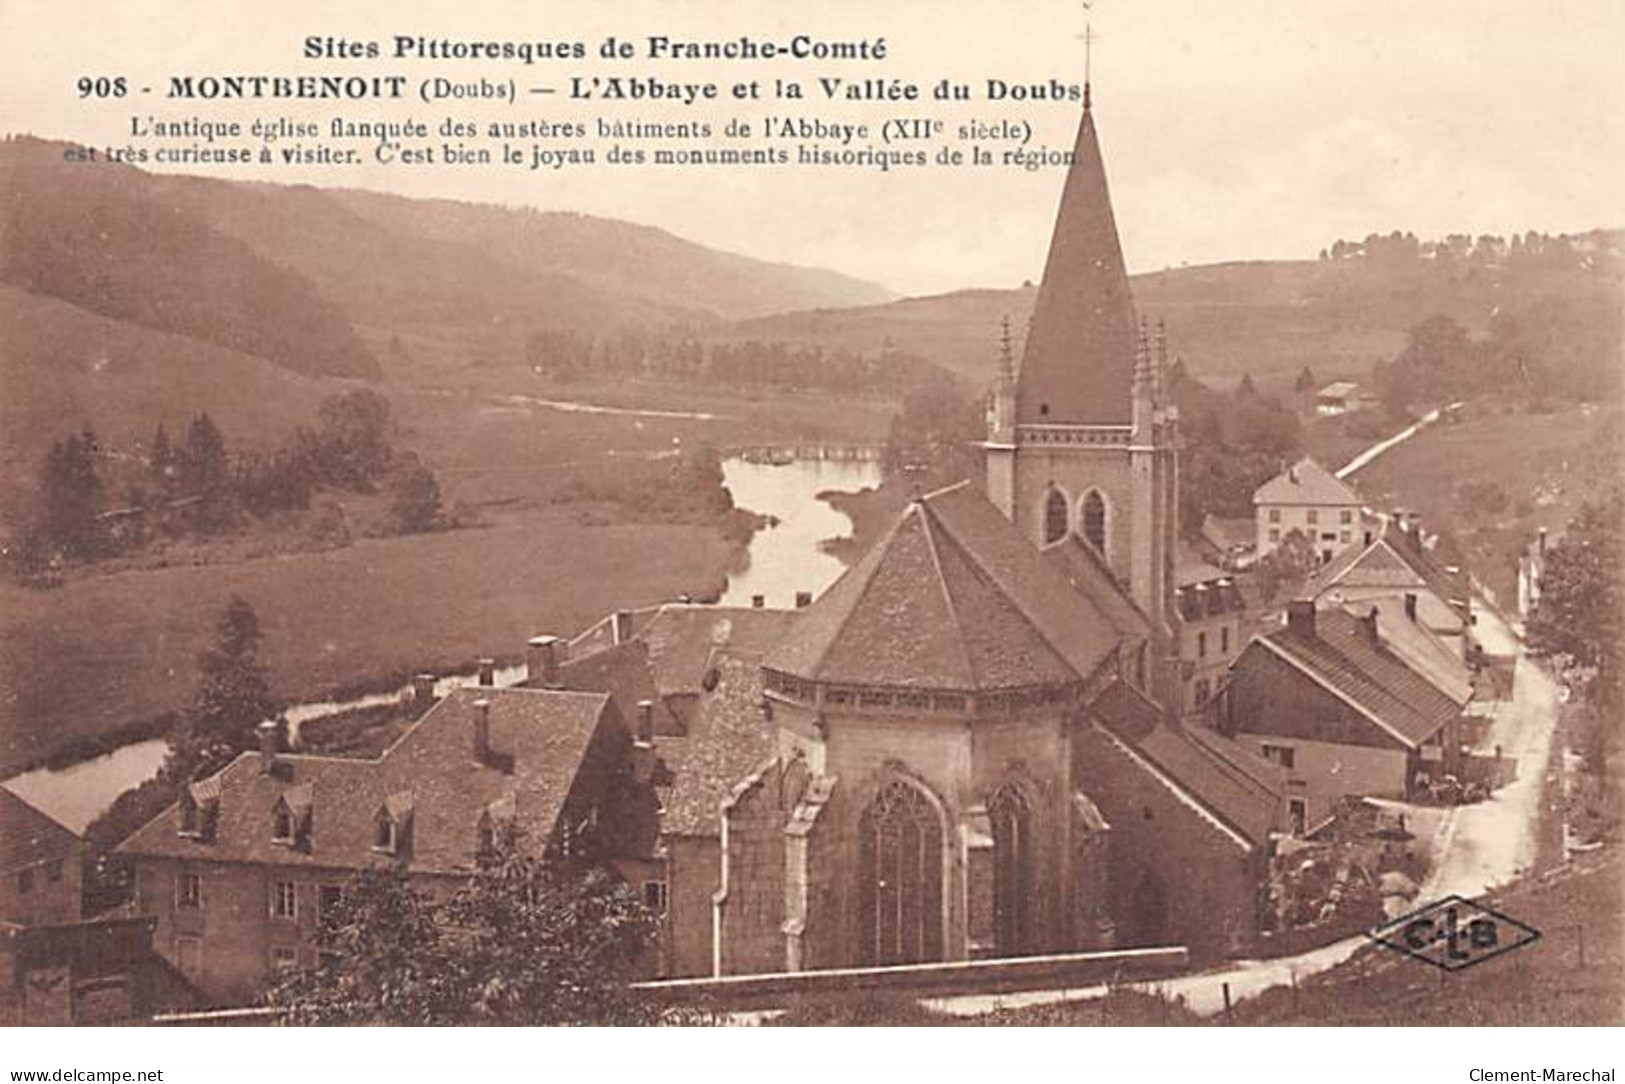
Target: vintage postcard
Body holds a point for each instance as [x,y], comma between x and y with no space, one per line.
[1083,514]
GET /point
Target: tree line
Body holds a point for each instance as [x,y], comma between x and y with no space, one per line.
[1232,442]
[750,364]
[1592,250]
[197,486]
[1557,347]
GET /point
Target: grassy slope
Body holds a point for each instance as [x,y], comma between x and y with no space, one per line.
[122,647]
[62,367]
[1563,456]
[106,650]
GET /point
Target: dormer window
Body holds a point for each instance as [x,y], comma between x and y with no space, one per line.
[198,809]
[290,817]
[494,829]
[392,825]
[383,835]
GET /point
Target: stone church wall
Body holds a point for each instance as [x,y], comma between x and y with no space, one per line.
[1167,857]
[752,917]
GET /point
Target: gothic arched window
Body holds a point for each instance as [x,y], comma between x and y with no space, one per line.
[1013,871]
[1055,517]
[1094,521]
[900,877]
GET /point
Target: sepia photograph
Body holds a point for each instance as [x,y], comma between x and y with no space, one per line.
[647,514]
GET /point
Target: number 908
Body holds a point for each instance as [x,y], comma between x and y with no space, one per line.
[101,86]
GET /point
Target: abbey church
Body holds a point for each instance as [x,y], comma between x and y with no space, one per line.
[972,744]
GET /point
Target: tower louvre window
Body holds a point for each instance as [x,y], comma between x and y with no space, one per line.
[1055,517]
[1094,521]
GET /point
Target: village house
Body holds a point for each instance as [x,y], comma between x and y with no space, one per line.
[1398,571]
[1332,700]
[690,678]
[1342,397]
[1531,571]
[56,967]
[238,873]
[41,866]
[1231,542]
[1212,627]
[1308,498]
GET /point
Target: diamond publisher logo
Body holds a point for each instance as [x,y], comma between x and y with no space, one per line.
[1454,933]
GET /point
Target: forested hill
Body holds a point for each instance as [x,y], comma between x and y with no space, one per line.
[1337,316]
[100,238]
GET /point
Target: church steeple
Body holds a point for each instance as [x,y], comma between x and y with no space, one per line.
[1078,365]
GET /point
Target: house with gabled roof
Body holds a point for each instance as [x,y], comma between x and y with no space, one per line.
[1309,499]
[1398,571]
[1329,699]
[238,873]
[40,859]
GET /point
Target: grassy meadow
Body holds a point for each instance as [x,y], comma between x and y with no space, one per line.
[114,648]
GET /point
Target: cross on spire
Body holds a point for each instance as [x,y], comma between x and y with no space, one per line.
[1088,57]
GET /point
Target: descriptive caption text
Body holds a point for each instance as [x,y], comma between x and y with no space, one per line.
[407,101]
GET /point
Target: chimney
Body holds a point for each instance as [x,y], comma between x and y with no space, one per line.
[1410,605]
[482,730]
[422,692]
[488,673]
[803,599]
[646,722]
[1540,542]
[622,626]
[1397,518]
[758,601]
[1300,617]
[1368,627]
[542,660]
[1292,475]
[1413,524]
[269,734]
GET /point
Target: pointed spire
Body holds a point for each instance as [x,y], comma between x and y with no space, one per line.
[1160,369]
[1078,362]
[1007,358]
[1142,357]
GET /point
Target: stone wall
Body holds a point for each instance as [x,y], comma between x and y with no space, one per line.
[1177,876]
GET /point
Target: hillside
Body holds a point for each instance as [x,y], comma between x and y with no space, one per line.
[63,368]
[1267,318]
[102,238]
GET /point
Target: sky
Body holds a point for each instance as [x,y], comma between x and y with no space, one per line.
[1242,130]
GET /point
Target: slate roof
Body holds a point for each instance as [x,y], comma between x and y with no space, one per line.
[681,638]
[1224,532]
[28,836]
[1420,648]
[1395,558]
[1372,678]
[1241,789]
[728,740]
[1306,482]
[955,598]
[625,673]
[429,774]
[1079,355]
[1126,711]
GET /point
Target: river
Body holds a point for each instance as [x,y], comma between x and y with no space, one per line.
[785,558]
[788,557]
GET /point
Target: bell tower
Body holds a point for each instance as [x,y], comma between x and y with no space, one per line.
[1083,437]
